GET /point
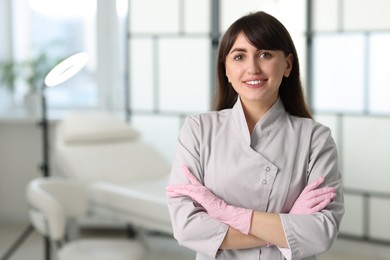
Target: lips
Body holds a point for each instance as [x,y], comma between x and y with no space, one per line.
[255,83]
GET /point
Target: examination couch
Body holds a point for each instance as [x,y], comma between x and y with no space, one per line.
[124,176]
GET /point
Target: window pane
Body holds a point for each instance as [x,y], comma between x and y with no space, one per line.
[378,73]
[339,72]
[184,74]
[56,30]
[80,91]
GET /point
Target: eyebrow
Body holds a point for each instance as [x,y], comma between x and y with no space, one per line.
[238,50]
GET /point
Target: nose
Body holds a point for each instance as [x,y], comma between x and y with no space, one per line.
[253,66]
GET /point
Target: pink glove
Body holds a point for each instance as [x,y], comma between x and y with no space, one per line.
[312,200]
[238,218]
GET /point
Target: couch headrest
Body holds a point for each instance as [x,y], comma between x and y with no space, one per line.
[78,129]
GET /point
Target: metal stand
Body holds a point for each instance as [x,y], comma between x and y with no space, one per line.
[45,137]
[45,156]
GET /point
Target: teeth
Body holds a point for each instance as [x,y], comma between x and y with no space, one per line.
[254,82]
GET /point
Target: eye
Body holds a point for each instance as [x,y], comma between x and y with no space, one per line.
[265,55]
[238,57]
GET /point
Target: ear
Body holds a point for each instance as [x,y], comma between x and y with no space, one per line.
[289,65]
[227,77]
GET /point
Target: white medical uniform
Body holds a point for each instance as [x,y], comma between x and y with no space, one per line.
[265,171]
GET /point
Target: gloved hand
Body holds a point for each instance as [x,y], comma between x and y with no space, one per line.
[238,218]
[312,200]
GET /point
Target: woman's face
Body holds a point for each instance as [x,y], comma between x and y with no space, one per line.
[255,74]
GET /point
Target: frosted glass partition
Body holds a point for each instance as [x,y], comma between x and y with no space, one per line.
[339,72]
[154,16]
[352,223]
[300,45]
[281,9]
[291,13]
[379,218]
[350,92]
[325,15]
[366,14]
[184,74]
[366,150]
[379,98]
[197,16]
[141,74]
[160,131]
[231,10]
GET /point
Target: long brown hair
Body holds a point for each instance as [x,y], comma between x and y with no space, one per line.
[264,32]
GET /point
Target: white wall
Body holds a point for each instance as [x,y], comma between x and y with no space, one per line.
[20,157]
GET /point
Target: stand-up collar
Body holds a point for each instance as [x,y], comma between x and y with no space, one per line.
[263,127]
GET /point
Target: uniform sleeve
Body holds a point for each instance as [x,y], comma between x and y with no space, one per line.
[309,235]
[192,226]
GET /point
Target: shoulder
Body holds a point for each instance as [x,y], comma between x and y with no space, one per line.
[201,127]
[312,132]
[317,135]
[309,125]
[207,119]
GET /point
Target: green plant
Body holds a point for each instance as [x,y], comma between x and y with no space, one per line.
[31,71]
[8,74]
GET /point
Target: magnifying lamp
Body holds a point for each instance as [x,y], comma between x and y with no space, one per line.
[66,69]
[60,73]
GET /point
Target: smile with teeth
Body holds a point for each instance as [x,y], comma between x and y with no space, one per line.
[254,82]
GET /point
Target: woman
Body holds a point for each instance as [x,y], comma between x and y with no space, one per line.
[237,186]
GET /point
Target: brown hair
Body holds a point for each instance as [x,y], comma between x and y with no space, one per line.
[264,32]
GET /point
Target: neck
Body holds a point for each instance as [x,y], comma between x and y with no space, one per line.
[254,112]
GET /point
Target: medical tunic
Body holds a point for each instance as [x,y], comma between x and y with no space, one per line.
[265,171]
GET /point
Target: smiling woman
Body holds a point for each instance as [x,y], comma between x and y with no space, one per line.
[258,178]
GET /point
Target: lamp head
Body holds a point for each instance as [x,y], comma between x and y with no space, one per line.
[66,69]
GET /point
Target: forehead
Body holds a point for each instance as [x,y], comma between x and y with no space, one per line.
[242,42]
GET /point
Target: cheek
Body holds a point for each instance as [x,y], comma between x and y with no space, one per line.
[233,73]
[279,69]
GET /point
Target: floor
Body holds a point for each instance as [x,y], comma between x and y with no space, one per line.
[165,248]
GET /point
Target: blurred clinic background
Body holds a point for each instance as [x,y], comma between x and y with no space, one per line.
[151,63]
